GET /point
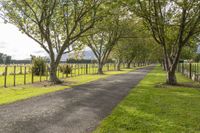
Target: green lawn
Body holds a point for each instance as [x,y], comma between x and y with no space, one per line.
[151,109]
[12,94]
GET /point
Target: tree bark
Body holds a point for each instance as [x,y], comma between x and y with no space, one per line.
[118,66]
[100,68]
[171,65]
[171,78]
[129,65]
[164,65]
[53,76]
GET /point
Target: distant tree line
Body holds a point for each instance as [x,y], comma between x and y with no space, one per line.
[71,60]
[5,59]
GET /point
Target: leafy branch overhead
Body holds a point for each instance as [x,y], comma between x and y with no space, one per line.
[55,25]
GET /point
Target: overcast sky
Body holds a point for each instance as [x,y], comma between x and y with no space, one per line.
[16,44]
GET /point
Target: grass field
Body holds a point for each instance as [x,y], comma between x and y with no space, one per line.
[150,108]
[77,70]
[12,94]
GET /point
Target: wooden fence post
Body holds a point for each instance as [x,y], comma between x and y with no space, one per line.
[5,76]
[86,69]
[81,69]
[32,76]
[14,76]
[40,74]
[72,69]
[24,74]
[20,69]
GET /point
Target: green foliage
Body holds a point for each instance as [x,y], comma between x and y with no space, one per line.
[65,69]
[107,32]
[197,58]
[39,66]
[54,25]
[5,59]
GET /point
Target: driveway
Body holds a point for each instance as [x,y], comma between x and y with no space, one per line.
[76,110]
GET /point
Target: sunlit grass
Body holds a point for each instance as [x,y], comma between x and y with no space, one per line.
[12,94]
[19,77]
[151,109]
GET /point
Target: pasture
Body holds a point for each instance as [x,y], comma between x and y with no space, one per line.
[22,74]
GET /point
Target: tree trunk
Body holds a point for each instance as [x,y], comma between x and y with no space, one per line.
[118,66]
[100,68]
[170,66]
[128,65]
[171,74]
[53,76]
[164,65]
[171,78]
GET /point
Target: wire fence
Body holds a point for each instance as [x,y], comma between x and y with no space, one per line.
[13,75]
[190,70]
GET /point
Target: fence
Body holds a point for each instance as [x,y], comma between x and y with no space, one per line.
[190,70]
[12,75]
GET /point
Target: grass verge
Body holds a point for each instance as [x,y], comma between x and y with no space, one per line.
[12,94]
[152,109]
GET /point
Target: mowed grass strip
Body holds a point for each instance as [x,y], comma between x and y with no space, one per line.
[152,109]
[12,94]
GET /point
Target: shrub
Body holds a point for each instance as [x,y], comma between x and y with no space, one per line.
[39,66]
[66,69]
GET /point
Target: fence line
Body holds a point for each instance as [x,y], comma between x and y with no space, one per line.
[190,70]
[13,75]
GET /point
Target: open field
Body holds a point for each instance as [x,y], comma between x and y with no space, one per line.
[152,107]
[21,78]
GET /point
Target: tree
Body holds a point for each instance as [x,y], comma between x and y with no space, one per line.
[8,59]
[1,58]
[102,43]
[54,24]
[118,53]
[106,34]
[135,45]
[172,24]
[127,50]
[5,59]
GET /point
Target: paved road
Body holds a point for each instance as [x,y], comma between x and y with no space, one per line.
[75,110]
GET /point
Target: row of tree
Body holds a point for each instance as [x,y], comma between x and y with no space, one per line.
[127,30]
[5,59]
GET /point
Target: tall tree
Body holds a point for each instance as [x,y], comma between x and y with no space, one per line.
[54,24]
[172,24]
[107,33]
[102,43]
[126,50]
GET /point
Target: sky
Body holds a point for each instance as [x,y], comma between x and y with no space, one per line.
[19,45]
[16,44]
